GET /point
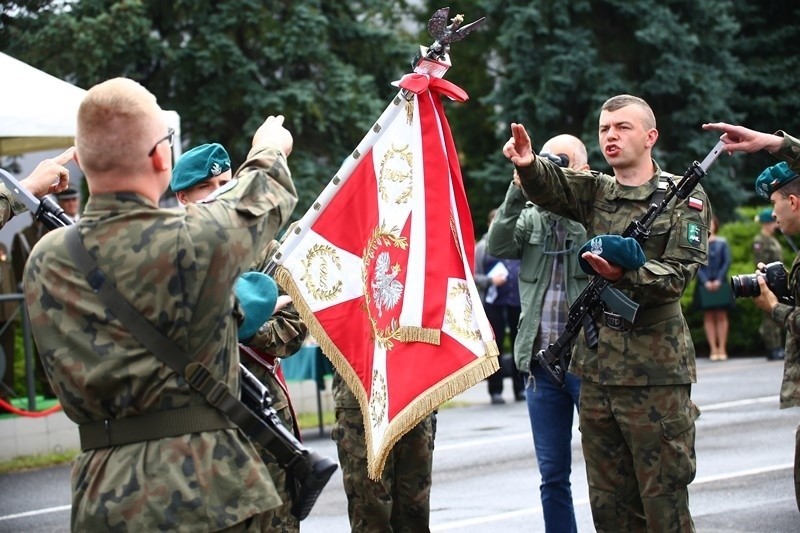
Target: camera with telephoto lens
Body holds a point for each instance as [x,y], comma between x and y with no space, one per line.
[746,285]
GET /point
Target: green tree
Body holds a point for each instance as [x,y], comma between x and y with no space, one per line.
[225,66]
[563,59]
[766,97]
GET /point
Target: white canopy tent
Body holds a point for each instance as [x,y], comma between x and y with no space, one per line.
[39,111]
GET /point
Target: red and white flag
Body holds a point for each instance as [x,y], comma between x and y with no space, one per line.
[380,268]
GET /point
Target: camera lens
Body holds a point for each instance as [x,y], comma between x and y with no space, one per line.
[745,286]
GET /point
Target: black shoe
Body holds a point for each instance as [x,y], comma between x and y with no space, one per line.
[497,399]
[776,355]
[520,397]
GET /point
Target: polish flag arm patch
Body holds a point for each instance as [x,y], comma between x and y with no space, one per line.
[695,203]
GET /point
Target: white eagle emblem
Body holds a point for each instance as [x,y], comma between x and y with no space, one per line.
[216,169]
[596,246]
[386,290]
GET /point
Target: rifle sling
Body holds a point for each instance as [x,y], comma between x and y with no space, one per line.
[196,374]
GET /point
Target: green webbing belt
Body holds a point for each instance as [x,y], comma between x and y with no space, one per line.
[198,376]
[151,426]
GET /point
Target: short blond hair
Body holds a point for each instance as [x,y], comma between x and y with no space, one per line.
[624,100]
[115,126]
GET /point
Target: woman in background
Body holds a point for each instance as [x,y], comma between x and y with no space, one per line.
[713,293]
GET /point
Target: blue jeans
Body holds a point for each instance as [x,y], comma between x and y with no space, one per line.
[551,410]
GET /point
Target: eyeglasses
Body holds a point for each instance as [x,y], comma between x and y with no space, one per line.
[170,136]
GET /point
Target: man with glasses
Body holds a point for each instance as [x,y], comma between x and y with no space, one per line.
[549,282]
[156,456]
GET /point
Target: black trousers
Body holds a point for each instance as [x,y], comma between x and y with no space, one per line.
[504,320]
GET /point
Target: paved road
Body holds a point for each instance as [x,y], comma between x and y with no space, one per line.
[485,475]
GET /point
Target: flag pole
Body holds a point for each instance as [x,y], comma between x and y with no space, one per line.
[433,61]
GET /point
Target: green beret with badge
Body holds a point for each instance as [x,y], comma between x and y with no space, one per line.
[625,252]
[257,294]
[773,178]
[765,216]
[199,164]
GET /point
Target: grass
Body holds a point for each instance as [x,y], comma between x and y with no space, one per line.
[30,462]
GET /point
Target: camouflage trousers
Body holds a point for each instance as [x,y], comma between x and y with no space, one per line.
[639,448]
[400,501]
[771,333]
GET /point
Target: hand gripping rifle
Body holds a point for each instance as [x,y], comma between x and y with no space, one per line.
[307,470]
[556,357]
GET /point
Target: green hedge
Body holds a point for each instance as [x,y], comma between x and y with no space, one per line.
[743,338]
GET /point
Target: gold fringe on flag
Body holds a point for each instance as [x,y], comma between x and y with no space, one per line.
[416,411]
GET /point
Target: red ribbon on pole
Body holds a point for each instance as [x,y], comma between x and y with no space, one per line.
[419,83]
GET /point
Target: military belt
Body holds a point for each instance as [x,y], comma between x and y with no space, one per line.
[645,317]
[152,426]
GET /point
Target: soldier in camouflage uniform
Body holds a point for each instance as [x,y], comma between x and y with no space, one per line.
[767,249]
[177,267]
[637,419]
[199,172]
[50,176]
[400,501]
[783,190]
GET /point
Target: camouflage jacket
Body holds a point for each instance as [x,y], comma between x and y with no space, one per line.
[658,349]
[177,267]
[786,315]
[766,249]
[9,205]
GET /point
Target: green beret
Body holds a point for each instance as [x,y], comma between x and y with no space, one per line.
[773,178]
[257,294]
[622,251]
[765,216]
[199,164]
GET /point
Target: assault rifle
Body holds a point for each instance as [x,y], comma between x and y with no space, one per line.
[307,470]
[583,312]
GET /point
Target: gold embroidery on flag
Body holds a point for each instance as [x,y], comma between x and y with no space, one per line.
[396,166]
[409,112]
[377,400]
[462,327]
[319,259]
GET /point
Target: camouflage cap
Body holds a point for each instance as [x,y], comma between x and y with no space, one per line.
[198,164]
[257,294]
[765,216]
[622,251]
[773,178]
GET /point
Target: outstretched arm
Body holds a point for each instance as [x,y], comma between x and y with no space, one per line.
[741,139]
[519,148]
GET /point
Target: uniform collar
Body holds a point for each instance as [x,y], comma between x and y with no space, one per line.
[99,205]
[640,193]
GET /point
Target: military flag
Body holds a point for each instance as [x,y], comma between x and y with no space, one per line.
[380,267]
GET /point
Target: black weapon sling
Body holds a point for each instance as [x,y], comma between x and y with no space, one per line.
[161,424]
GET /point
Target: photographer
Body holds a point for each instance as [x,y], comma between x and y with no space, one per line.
[780,185]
